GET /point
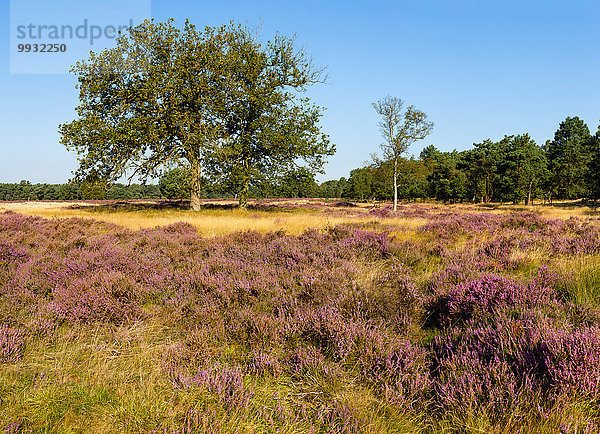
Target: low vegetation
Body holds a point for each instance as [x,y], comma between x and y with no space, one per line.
[424,320]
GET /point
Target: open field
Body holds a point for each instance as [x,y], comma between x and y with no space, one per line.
[295,316]
[291,215]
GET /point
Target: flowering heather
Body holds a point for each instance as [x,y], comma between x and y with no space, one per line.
[464,317]
[397,369]
[484,296]
[226,383]
[343,419]
[512,362]
[262,363]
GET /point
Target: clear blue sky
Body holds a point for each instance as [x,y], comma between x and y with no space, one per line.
[479,68]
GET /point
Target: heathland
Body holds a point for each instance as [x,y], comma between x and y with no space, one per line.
[292,316]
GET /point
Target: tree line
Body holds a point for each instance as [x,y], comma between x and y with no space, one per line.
[174,184]
[26,191]
[514,169]
[226,110]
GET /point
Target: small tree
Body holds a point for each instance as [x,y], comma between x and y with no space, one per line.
[298,183]
[400,129]
[175,184]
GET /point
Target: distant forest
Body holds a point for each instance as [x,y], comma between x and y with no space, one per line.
[514,169]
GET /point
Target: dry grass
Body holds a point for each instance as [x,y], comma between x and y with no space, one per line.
[215,222]
[86,380]
[560,210]
[581,278]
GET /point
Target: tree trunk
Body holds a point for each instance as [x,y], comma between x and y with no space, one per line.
[196,185]
[243,196]
[395,184]
[529,193]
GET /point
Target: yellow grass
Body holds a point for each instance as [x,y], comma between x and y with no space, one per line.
[561,210]
[215,222]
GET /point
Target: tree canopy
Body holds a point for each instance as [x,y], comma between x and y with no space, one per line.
[217,99]
[568,156]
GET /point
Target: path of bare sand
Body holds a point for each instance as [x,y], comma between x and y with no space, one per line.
[20,205]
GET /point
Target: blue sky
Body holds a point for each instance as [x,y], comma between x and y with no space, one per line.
[479,68]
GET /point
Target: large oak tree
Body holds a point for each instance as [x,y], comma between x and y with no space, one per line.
[218,100]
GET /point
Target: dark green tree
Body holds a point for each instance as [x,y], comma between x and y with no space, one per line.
[524,166]
[412,177]
[299,182]
[360,183]
[120,191]
[593,172]
[482,163]
[69,191]
[568,157]
[175,184]
[329,189]
[448,178]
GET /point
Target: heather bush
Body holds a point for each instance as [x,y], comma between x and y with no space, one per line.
[392,295]
[483,297]
[487,369]
[10,253]
[396,369]
[512,363]
[263,363]
[305,360]
[463,316]
[572,357]
[341,418]
[327,329]
[109,297]
[226,383]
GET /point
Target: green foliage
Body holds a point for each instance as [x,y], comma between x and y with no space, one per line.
[21,191]
[521,169]
[400,128]
[298,182]
[175,184]
[333,188]
[446,180]
[70,191]
[93,187]
[216,99]
[513,169]
[568,157]
[482,162]
[269,126]
[412,179]
[593,172]
[359,184]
